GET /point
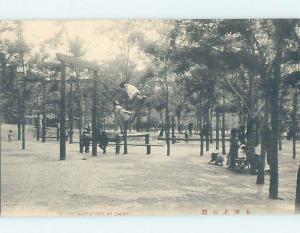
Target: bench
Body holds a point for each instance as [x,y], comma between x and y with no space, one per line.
[148,147]
[113,138]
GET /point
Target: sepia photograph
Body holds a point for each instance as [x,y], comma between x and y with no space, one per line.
[150,117]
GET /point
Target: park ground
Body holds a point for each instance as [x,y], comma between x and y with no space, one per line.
[36,183]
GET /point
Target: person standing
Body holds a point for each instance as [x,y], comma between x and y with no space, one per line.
[10,136]
[186,137]
[234,147]
[85,141]
[103,141]
[190,128]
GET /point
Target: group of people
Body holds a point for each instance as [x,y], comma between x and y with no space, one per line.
[133,98]
[238,141]
[86,138]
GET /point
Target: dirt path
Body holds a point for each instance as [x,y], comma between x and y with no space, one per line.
[35,182]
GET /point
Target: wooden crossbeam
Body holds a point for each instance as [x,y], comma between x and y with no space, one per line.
[69,60]
[137,135]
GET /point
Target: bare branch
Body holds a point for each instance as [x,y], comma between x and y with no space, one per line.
[238,94]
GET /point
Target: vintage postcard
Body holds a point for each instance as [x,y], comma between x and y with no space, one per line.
[150,117]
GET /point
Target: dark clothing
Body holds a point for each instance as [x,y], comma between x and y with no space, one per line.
[260,169]
[161,133]
[186,137]
[86,141]
[233,152]
[103,141]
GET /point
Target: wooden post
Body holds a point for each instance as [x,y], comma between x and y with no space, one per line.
[44,112]
[125,137]
[94,115]
[63,113]
[147,142]
[217,130]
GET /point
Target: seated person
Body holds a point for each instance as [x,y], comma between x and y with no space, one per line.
[216,159]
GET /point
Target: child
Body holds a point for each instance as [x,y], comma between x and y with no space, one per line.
[121,112]
[10,135]
[132,92]
[216,159]
[186,137]
[103,141]
[85,141]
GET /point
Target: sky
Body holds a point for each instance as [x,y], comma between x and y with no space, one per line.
[103,40]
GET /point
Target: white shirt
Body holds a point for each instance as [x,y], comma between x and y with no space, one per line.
[132,91]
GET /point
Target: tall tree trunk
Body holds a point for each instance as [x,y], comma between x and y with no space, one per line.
[201,129]
[210,126]
[264,141]
[125,126]
[223,134]
[19,123]
[148,119]
[251,127]
[217,130]
[138,122]
[23,110]
[206,114]
[179,123]
[297,201]
[71,118]
[273,189]
[294,122]
[173,130]
[79,110]
[44,122]
[94,114]
[280,123]
[251,144]
[37,126]
[23,126]
[62,133]
[168,128]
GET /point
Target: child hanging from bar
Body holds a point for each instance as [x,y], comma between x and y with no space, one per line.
[121,112]
[133,93]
